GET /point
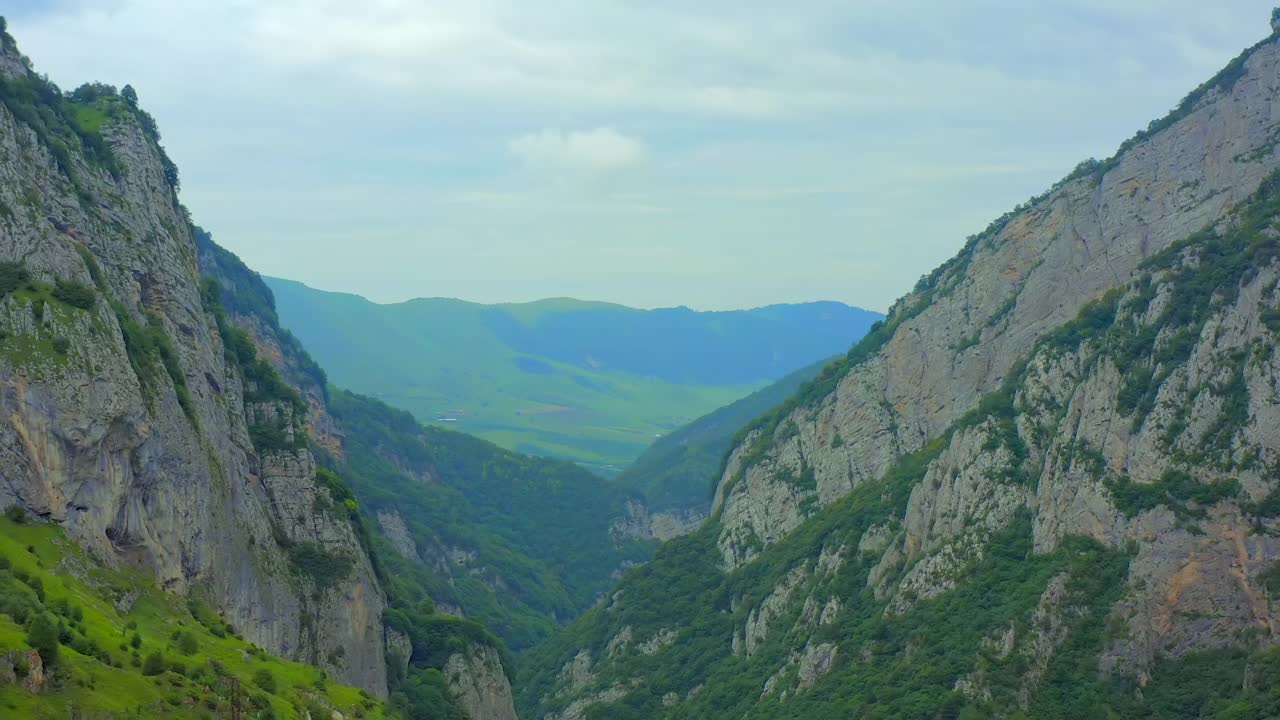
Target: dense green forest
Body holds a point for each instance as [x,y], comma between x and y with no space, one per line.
[538,528]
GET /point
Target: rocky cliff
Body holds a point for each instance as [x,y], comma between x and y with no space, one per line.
[956,336]
[127,417]
[1045,485]
[480,683]
[471,665]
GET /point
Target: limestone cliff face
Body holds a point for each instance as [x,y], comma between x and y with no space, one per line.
[252,309]
[956,337]
[479,683]
[1208,411]
[123,418]
[664,525]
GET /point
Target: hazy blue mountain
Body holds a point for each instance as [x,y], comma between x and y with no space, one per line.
[589,381]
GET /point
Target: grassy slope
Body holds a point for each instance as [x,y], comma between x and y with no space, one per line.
[558,377]
[679,470]
[86,683]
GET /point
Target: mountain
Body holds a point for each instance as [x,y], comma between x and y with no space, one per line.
[672,479]
[1045,487]
[176,468]
[136,419]
[591,382]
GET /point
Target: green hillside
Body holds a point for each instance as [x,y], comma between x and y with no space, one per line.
[590,382]
[114,645]
[679,469]
[520,521]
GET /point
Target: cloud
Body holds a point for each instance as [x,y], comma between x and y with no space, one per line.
[712,154]
[590,152]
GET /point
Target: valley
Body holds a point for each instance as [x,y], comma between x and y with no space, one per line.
[1046,484]
[590,382]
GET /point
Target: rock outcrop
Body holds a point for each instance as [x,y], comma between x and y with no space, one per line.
[24,668]
[641,524]
[479,683]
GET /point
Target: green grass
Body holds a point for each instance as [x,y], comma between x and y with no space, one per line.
[90,118]
[86,683]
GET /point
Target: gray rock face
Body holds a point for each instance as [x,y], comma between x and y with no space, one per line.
[147,464]
[1018,282]
[641,524]
[1028,277]
[395,530]
[477,680]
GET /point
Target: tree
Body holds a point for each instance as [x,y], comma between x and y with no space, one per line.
[92,91]
[130,95]
[154,664]
[1275,19]
[43,637]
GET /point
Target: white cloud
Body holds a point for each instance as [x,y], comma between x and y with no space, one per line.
[590,152]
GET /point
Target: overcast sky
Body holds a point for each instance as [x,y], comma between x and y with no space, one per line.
[714,154]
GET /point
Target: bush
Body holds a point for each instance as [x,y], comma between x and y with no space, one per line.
[135,641]
[16,513]
[186,642]
[265,680]
[12,277]
[61,345]
[75,294]
[153,665]
[323,567]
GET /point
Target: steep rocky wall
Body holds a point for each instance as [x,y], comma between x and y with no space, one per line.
[141,449]
[478,681]
[956,337]
[663,525]
[253,310]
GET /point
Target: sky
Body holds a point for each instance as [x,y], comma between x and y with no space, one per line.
[655,153]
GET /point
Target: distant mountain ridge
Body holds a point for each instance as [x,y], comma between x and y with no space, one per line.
[593,382]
